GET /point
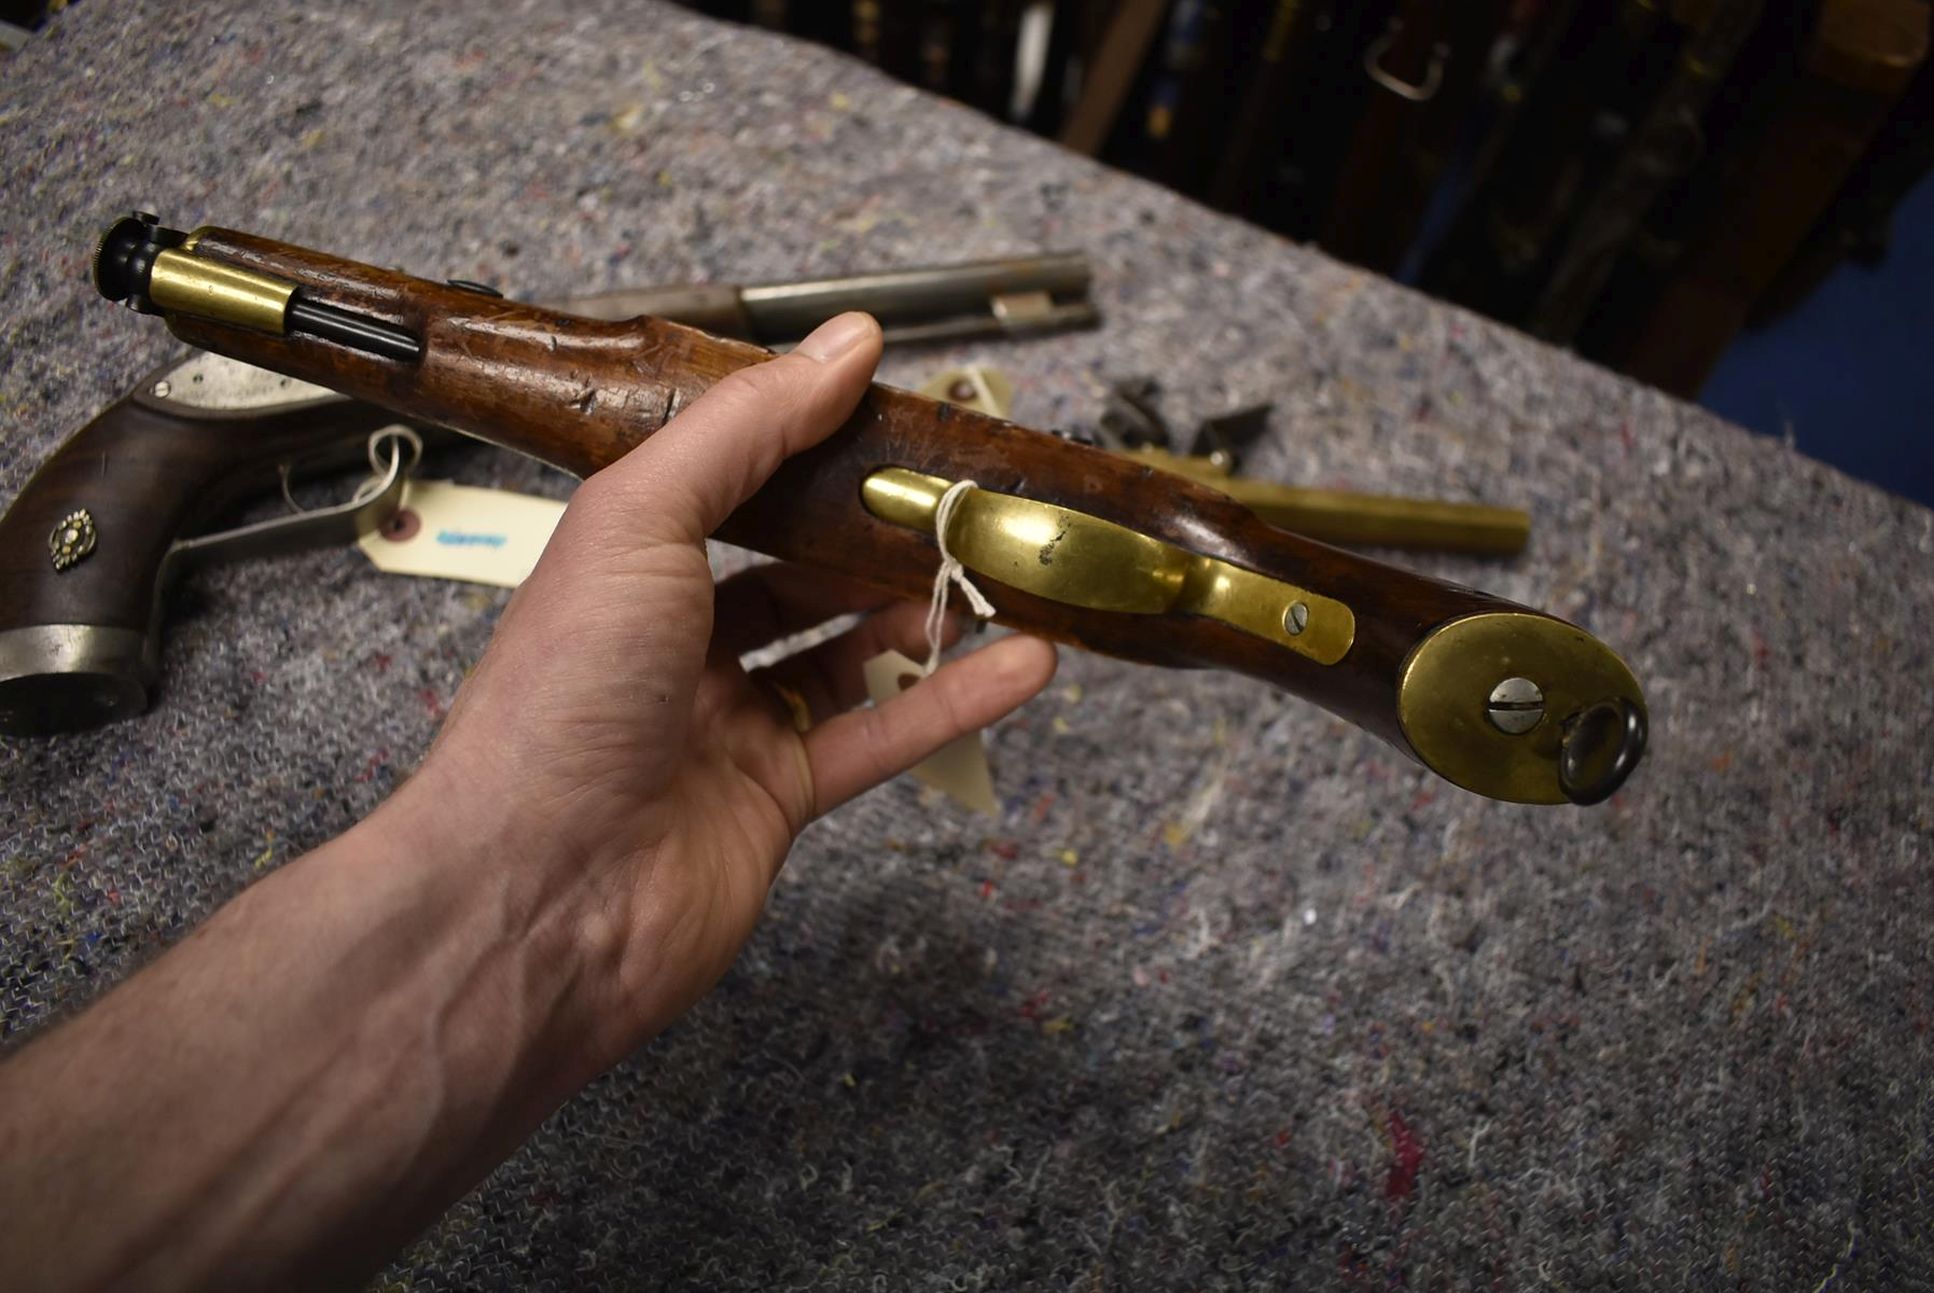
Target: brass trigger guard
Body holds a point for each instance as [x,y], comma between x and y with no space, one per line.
[1076,559]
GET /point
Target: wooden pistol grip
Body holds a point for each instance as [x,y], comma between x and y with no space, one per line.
[78,639]
[579,393]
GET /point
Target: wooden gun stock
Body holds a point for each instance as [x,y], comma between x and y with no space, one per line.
[1073,543]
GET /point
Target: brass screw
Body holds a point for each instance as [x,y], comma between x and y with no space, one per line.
[1516,706]
[1296,618]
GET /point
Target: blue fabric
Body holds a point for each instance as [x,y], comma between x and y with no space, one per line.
[1849,375]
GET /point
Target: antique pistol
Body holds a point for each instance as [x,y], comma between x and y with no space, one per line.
[1067,541]
[198,436]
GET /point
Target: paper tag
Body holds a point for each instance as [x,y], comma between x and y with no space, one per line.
[959,767]
[976,387]
[446,531]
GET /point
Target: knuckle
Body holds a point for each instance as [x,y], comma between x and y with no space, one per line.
[602,506]
[613,513]
[594,498]
[876,742]
[591,511]
[763,390]
[946,702]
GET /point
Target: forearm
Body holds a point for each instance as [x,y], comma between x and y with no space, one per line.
[323,1066]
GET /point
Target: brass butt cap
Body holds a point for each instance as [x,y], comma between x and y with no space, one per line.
[1522,707]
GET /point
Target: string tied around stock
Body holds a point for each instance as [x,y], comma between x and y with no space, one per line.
[950,572]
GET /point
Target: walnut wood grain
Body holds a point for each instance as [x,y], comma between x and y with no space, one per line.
[578,394]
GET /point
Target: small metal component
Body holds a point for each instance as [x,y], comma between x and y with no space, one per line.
[1601,747]
[472,285]
[1418,92]
[1296,618]
[985,390]
[1516,706]
[211,381]
[73,539]
[1224,439]
[1022,310]
[1130,419]
[357,331]
[1081,560]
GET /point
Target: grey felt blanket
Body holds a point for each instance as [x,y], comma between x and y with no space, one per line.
[1230,995]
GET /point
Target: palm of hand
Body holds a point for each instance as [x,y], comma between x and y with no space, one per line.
[612,718]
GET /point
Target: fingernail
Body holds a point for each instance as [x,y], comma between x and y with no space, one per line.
[836,336]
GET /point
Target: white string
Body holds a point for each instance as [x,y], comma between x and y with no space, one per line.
[395,438]
[950,572]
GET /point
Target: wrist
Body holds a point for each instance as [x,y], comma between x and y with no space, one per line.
[521,897]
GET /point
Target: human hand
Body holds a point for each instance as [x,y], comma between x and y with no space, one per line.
[610,757]
[350,1044]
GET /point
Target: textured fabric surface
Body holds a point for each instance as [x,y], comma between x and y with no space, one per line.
[1230,995]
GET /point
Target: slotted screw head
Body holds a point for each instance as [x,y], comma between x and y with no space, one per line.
[1516,706]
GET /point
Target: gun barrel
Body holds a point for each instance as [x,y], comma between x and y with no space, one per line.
[1014,295]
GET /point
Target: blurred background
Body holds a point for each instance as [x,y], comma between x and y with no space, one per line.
[1727,199]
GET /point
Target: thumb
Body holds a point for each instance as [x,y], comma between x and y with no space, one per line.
[685,480]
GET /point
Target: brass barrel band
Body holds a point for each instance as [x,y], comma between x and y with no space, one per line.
[207,289]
